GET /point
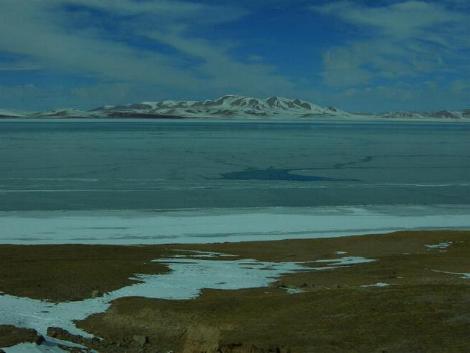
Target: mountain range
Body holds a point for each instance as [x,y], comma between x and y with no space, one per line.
[231,106]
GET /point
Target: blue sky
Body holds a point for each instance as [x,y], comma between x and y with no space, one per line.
[356,55]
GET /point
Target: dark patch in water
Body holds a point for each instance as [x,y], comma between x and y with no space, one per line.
[276,174]
[363,160]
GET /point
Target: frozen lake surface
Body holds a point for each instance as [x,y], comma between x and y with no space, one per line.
[151,182]
[135,165]
[127,182]
[219,225]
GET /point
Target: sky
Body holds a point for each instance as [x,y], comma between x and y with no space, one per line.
[363,56]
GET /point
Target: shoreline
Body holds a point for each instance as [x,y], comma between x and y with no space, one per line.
[297,119]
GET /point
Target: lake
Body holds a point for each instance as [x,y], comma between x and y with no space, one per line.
[83,165]
[232,168]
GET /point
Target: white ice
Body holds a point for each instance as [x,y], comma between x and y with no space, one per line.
[291,290]
[463,275]
[200,254]
[185,280]
[188,276]
[217,225]
[440,246]
[33,348]
[378,284]
[51,345]
[346,261]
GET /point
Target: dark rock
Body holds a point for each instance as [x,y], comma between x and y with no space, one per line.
[61,334]
[250,348]
[39,340]
[56,332]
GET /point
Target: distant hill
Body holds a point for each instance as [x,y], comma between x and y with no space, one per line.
[233,106]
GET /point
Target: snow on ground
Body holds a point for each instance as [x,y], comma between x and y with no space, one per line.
[440,246]
[33,348]
[378,285]
[463,275]
[346,261]
[200,254]
[185,280]
[188,276]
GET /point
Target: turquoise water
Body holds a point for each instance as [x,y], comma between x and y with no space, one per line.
[136,165]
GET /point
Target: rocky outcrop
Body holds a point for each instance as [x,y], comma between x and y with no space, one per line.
[64,335]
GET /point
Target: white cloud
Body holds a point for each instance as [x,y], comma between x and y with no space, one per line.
[30,28]
[42,31]
[225,73]
[400,20]
[165,11]
[397,41]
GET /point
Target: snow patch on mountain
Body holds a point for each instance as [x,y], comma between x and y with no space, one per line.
[9,114]
[62,113]
[235,107]
[441,115]
[229,106]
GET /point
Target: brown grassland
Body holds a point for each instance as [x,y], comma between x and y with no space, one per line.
[423,310]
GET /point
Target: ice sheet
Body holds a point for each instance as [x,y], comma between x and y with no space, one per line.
[33,348]
[378,284]
[220,225]
[440,246]
[346,261]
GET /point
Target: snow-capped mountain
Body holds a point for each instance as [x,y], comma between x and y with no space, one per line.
[234,107]
[10,114]
[62,113]
[442,115]
[229,106]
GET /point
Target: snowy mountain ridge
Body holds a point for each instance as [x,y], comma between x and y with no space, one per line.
[226,106]
[232,106]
